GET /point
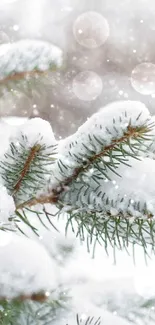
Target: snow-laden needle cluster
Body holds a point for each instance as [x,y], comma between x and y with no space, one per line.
[28,56]
[99,182]
[99,174]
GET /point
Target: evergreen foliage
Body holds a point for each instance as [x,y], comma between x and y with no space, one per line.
[84,179]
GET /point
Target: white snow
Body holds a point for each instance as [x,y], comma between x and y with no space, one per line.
[103,127]
[91,283]
[150,152]
[8,126]
[106,318]
[115,116]
[108,124]
[44,263]
[36,130]
[136,184]
[132,27]
[25,267]
[7,207]
[88,282]
[13,120]
[132,192]
[27,55]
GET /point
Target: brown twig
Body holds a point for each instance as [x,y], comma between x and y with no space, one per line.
[28,74]
[23,75]
[26,167]
[39,297]
[53,197]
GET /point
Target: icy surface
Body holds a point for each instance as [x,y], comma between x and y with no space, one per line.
[28,55]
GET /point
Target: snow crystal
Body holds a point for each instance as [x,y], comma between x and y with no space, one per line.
[21,271]
[28,55]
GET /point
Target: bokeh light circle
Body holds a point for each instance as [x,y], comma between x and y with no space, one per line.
[87,85]
[91,29]
[143,78]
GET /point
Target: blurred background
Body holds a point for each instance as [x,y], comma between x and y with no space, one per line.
[109,55]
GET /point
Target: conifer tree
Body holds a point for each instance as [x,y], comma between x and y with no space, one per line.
[98,183]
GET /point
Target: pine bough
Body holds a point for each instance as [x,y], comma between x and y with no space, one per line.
[101,177]
[26,64]
[100,180]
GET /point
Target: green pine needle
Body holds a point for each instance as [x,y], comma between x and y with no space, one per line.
[23,168]
[88,321]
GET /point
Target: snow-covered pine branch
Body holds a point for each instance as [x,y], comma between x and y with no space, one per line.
[100,180]
[26,57]
[101,176]
[27,164]
[108,139]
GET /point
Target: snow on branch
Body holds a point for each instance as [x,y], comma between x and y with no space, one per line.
[26,57]
[99,176]
[27,162]
[104,142]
